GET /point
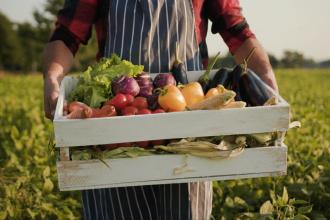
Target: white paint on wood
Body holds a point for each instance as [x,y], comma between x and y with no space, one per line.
[158,169]
[170,125]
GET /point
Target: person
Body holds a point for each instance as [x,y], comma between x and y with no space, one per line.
[145,32]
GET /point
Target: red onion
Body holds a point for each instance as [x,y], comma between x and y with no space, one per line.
[145,82]
[164,79]
[125,85]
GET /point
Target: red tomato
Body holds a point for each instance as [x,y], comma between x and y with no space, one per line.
[158,110]
[119,101]
[140,102]
[129,98]
[143,144]
[129,110]
[143,111]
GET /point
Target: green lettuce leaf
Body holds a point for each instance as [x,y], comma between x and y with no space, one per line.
[94,85]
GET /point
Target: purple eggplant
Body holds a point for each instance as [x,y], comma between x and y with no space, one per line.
[252,89]
[222,76]
[179,69]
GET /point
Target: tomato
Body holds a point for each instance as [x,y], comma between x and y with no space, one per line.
[119,101]
[192,93]
[143,144]
[143,111]
[129,98]
[158,110]
[140,102]
[171,99]
[129,110]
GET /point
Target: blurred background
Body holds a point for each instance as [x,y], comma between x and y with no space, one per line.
[295,33]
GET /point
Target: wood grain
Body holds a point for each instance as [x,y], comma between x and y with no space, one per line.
[158,169]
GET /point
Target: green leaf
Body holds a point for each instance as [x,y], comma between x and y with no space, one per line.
[31,213]
[285,196]
[305,209]
[46,172]
[299,202]
[229,202]
[273,196]
[10,210]
[266,208]
[3,215]
[48,185]
[300,217]
[240,201]
[14,133]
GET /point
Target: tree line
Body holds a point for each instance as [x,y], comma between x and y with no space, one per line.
[22,45]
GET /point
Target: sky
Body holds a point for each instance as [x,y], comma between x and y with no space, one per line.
[301,25]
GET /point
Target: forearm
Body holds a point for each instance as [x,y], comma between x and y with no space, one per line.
[57,60]
[259,62]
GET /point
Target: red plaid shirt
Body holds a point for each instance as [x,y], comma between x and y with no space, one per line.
[76,19]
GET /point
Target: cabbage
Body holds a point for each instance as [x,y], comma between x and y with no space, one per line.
[94,84]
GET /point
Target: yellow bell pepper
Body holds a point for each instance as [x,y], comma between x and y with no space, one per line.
[193,93]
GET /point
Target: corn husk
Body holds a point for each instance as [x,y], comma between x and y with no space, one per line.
[215,101]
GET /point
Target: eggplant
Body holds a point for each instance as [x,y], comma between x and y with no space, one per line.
[204,79]
[237,74]
[252,89]
[179,71]
[235,80]
[222,76]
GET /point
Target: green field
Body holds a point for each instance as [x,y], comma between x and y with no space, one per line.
[28,181]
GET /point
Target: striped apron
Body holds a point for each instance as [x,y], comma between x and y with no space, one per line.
[145,32]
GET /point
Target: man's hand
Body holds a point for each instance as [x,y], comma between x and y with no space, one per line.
[57,60]
[259,62]
[51,92]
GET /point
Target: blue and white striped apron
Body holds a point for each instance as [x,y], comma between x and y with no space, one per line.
[145,32]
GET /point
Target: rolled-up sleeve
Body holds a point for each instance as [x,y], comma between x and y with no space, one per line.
[74,23]
[227,20]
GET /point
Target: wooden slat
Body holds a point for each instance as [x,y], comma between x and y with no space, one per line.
[158,169]
[64,153]
[171,125]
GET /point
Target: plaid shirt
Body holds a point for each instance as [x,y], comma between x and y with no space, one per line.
[76,19]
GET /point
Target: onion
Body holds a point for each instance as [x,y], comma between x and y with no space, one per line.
[125,85]
[145,84]
[146,91]
[164,79]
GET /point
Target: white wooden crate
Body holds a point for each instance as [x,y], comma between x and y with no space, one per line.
[158,169]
